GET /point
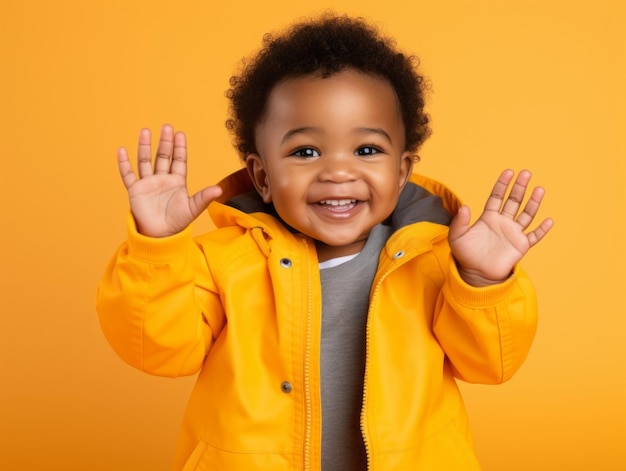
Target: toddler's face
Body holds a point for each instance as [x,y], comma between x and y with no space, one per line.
[332,157]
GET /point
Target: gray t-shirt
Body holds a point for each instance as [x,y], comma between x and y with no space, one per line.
[345,302]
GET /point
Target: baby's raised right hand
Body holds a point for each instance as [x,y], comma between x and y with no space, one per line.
[159,199]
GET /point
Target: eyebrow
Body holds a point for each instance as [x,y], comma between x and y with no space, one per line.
[309,129]
[379,131]
[303,130]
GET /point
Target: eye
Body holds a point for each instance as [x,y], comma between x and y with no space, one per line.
[367,150]
[306,152]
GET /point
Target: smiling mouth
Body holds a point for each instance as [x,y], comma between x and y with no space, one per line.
[337,202]
[338,206]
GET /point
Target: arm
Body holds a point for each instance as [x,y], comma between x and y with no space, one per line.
[156,301]
[487,311]
[157,305]
[486,332]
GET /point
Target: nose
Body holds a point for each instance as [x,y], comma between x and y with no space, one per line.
[338,168]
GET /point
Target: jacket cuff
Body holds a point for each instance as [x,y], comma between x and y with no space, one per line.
[480,296]
[156,249]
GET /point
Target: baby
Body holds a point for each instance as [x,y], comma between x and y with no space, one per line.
[341,294]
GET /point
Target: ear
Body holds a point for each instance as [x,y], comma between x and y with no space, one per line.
[258,175]
[406,168]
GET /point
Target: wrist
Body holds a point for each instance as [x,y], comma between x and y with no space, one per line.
[156,249]
[478,279]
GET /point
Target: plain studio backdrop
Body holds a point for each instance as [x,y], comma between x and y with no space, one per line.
[519,84]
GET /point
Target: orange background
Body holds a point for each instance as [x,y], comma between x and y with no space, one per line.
[521,84]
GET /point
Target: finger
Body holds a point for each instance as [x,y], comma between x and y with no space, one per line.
[164,150]
[179,155]
[531,208]
[539,233]
[144,154]
[516,196]
[460,223]
[200,201]
[125,168]
[494,202]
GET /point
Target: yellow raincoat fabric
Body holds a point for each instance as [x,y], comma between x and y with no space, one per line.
[241,305]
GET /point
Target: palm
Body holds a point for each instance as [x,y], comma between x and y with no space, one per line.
[159,199]
[161,203]
[487,251]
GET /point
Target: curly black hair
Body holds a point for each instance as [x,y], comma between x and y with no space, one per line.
[325,46]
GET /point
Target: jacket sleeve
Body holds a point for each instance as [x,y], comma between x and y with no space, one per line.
[157,304]
[486,332]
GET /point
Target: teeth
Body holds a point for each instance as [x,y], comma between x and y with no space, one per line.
[337,202]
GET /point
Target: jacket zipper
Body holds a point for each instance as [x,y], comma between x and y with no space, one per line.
[368,329]
[367,361]
[307,373]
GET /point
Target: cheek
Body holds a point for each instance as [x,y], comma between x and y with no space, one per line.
[387,180]
[282,183]
[285,186]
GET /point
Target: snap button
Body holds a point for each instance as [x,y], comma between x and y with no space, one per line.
[285,263]
[286,387]
[398,254]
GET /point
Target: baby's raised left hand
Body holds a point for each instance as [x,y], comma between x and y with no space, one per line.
[487,251]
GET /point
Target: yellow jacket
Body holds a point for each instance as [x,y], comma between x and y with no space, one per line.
[242,305]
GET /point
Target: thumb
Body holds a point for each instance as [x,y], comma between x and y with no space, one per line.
[201,200]
[460,223]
